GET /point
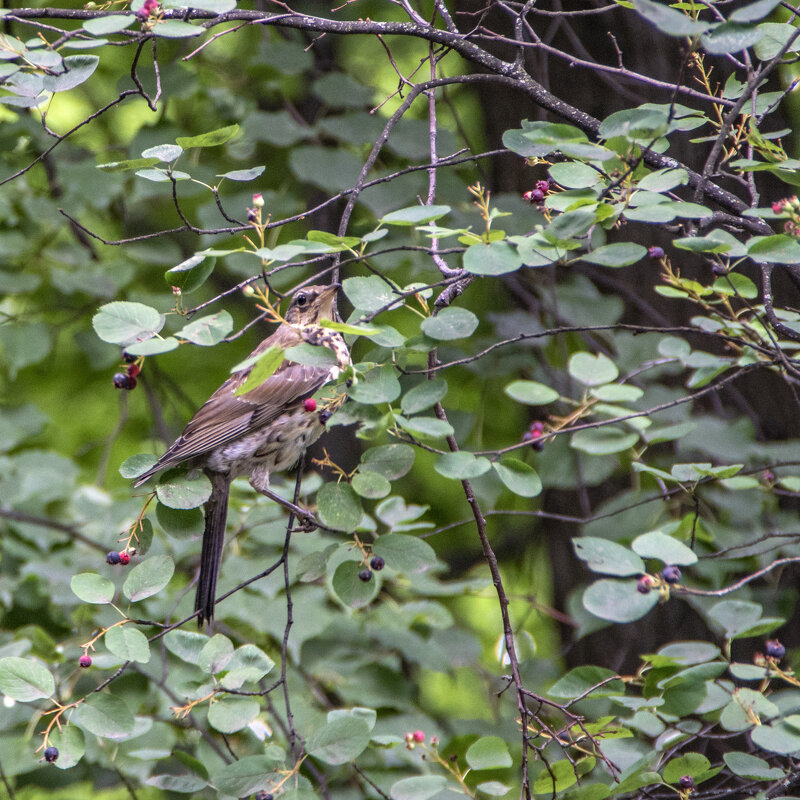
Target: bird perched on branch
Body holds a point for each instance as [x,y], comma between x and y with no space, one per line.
[262,429]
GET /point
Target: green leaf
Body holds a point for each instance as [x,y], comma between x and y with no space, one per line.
[176,490]
[209,330]
[163,152]
[461,465]
[621,254]
[70,743]
[669,20]
[658,545]
[493,788]
[404,553]
[92,588]
[352,330]
[497,258]
[128,643]
[489,752]
[592,370]
[371,485]
[415,215]
[580,680]
[777,737]
[247,775]
[377,386]
[423,395]
[694,764]
[663,180]
[339,741]
[339,507]
[370,294]
[210,139]
[736,284]
[232,714]
[153,347]
[177,29]
[134,466]
[450,323]
[617,601]
[104,715]
[607,557]
[309,355]
[688,653]
[753,11]
[574,175]
[148,578]
[123,323]
[128,165]
[349,588]
[24,679]
[420,787]
[191,274]
[518,476]
[736,616]
[179,522]
[216,654]
[746,766]
[730,37]
[603,441]
[248,664]
[77,69]
[101,26]
[531,393]
[243,175]
[777,249]
[564,775]
[263,367]
[425,426]
[390,460]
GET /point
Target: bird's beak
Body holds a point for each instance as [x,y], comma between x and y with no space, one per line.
[327,299]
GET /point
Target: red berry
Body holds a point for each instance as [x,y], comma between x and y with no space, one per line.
[133,370]
[777,207]
[124,558]
[310,404]
[644,584]
[418,736]
[537,426]
[85,661]
[113,557]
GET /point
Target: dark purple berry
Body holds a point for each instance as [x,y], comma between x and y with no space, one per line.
[718,269]
[128,358]
[324,416]
[133,370]
[537,195]
[671,574]
[113,557]
[686,782]
[85,661]
[527,436]
[774,649]
[377,563]
[365,575]
[543,186]
[537,445]
[644,584]
[51,754]
[655,251]
[262,795]
[123,381]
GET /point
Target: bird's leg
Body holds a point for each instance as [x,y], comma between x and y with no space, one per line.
[259,480]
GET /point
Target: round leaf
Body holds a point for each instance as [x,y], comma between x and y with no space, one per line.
[377,386]
[105,715]
[349,588]
[231,714]
[92,588]
[450,323]
[462,465]
[370,485]
[423,395]
[620,254]
[247,664]
[208,330]
[247,775]
[128,643]
[339,741]
[190,274]
[124,323]
[531,393]
[148,578]
[518,476]
[71,745]
[489,752]
[390,460]
[606,557]
[404,553]
[658,545]
[617,601]
[24,679]
[497,258]
[603,441]
[339,507]
[177,491]
[425,426]
[420,787]
[415,215]
[592,370]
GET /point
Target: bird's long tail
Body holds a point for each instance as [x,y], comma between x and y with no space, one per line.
[213,538]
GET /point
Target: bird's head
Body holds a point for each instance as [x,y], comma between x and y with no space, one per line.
[311,304]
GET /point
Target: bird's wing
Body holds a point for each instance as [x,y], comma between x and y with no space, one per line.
[226,416]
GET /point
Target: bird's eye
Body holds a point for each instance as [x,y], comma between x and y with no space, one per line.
[301,299]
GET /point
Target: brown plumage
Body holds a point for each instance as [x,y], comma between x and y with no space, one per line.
[264,430]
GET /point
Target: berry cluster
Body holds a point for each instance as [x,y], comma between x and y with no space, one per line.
[148,9]
[538,193]
[413,738]
[534,435]
[789,206]
[114,558]
[377,564]
[127,380]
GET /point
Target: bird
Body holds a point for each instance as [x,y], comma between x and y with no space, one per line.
[259,431]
